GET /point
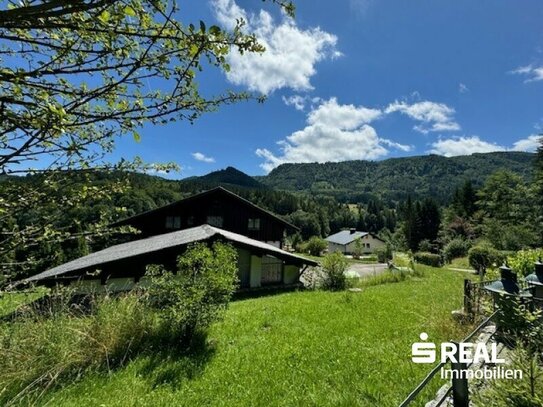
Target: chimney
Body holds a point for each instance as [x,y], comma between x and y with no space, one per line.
[352,231]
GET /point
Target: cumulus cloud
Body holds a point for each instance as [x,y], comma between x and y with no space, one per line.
[431,115]
[297,101]
[530,143]
[463,146]
[300,102]
[202,157]
[291,52]
[531,72]
[334,132]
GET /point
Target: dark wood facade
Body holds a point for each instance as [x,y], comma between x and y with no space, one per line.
[217,207]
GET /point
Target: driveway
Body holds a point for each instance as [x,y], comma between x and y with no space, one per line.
[365,270]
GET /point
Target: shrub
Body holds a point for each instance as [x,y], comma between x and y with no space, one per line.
[426,246]
[429,259]
[384,253]
[334,266]
[523,261]
[316,245]
[457,247]
[194,298]
[482,257]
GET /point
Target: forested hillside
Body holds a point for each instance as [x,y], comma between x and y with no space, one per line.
[318,198]
[394,179]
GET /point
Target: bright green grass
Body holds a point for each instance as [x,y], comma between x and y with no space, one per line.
[298,348]
[460,262]
[9,302]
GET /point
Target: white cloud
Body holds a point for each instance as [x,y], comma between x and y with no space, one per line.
[462,88]
[433,116]
[463,146]
[533,73]
[530,143]
[334,132]
[291,52]
[300,102]
[347,117]
[297,101]
[203,158]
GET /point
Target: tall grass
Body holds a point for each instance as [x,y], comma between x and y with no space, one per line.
[42,349]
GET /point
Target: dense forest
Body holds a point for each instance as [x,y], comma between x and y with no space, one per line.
[394,179]
[495,203]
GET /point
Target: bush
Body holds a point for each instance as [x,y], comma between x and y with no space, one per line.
[316,245]
[429,259]
[334,266]
[194,298]
[457,247]
[482,257]
[426,246]
[523,261]
[384,253]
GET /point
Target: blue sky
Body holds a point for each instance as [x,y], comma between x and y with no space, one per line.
[364,79]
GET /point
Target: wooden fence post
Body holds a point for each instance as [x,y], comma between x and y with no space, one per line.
[468,299]
[460,389]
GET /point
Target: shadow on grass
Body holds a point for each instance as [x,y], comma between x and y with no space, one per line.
[171,365]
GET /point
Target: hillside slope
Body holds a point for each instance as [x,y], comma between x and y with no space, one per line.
[395,178]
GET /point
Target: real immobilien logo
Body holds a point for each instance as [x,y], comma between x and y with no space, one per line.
[466,353]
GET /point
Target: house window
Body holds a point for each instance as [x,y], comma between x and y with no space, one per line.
[253,224]
[173,222]
[216,221]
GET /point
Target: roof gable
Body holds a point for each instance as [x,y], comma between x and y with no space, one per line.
[345,237]
[203,195]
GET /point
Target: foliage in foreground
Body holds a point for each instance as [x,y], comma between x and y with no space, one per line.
[334,266]
[192,299]
[521,328]
[41,351]
[300,348]
[522,262]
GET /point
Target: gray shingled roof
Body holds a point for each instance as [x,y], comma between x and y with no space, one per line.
[161,242]
[345,237]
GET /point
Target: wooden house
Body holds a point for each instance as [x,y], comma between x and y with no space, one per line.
[255,233]
[217,207]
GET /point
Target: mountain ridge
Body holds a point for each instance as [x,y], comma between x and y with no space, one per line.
[392,179]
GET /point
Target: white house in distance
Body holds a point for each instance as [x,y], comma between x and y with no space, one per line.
[345,242]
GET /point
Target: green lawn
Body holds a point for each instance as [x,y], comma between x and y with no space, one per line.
[298,348]
[9,302]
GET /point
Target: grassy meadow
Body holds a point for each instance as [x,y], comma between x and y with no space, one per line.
[299,348]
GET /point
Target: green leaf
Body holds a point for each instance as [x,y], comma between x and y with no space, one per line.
[104,16]
[137,137]
[129,11]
